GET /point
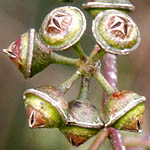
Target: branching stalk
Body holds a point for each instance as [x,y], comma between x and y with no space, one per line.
[84,89]
[97,53]
[65,86]
[59,59]
[80,52]
[104,83]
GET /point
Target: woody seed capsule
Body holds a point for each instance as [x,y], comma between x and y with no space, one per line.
[116,32]
[62,28]
[45,107]
[125,111]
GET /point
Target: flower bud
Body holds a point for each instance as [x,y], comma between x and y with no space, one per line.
[125,110]
[116,32]
[96,6]
[45,107]
[27,54]
[63,27]
[83,122]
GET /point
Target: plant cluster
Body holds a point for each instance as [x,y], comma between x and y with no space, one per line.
[116,34]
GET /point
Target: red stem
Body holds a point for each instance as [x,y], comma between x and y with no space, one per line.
[116,139]
[110,73]
[143,142]
[100,139]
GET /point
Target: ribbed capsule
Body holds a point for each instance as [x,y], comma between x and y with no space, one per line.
[125,110]
[96,6]
[83,122]
[45,107]
[63,27]
[28,54]
[116,32]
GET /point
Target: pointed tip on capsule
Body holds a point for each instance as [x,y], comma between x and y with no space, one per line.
[9,53]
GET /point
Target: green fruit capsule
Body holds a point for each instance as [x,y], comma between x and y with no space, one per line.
[28,54]
[125,111]
[62,28]
[94,7]
[116,32]
[45,107]
[83,122]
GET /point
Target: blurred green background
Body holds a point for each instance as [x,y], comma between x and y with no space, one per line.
[16,17]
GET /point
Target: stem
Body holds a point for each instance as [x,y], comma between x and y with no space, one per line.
[116,139]
[138,142]
[59,59]
[104,83]
[110,73]
[84,89]
[80,52]
[65,86]
[97,53]
[55,58]
[100,139]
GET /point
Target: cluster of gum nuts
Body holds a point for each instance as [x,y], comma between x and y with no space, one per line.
[116,33]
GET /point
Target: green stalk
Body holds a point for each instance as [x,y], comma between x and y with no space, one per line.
[80,52]
[99,55]
[66,85]
[104,83]
[84,89]
[59,59]
[96,54]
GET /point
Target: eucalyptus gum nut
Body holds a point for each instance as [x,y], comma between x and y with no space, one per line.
[83,122]
[78,135]
[45,107]
[125,106]
[62,28]
[116,32]
[132,120]
[94,7]
[84,114]
[27,54]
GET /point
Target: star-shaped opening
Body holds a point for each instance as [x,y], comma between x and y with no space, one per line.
[119,26]
[59,22]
